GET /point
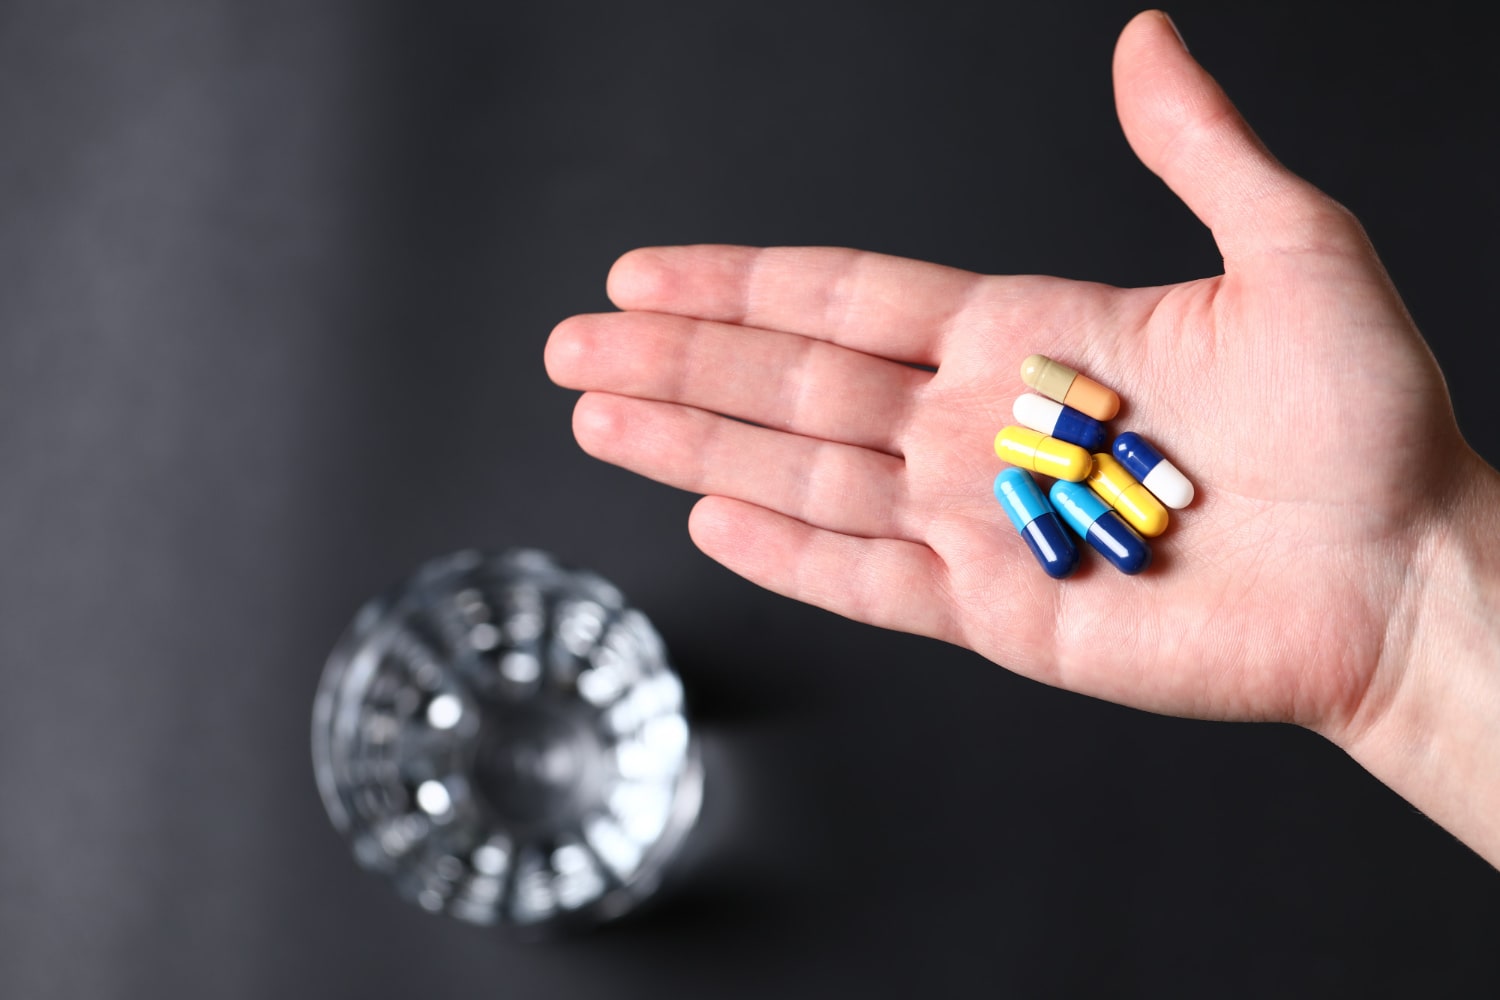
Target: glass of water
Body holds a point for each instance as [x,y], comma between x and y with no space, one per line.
[505,740]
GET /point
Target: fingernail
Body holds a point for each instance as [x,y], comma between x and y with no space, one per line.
[1173,25]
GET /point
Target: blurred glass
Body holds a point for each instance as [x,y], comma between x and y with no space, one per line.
[505,740]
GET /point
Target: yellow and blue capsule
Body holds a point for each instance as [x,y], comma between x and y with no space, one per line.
[1155,473]
[1059,421]
[1101,527]
[1135,503]
[1037,452]
[1037,522]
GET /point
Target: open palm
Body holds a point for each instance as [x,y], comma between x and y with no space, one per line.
[837,409]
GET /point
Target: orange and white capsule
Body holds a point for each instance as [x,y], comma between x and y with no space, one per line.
[1047,455]
[1118,488]
[1057,381]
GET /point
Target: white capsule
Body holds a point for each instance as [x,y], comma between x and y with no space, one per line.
[1141,459]
[1062,422]
[1037,412]
[1169,485]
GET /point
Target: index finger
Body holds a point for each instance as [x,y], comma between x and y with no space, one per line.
[888,306]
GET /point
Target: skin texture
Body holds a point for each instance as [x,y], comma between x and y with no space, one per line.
[856,472]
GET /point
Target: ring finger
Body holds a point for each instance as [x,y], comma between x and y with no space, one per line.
[840,487]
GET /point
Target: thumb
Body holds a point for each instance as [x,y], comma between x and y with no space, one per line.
[1184,128]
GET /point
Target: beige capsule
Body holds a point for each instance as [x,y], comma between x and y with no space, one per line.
[1056,380]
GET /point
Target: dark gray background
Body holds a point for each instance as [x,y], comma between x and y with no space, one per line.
[275,279]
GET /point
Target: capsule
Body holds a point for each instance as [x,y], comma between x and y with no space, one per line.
[1057,381]
[1101,527]
[1134,502]
[1061,422]
[1154,472]
[1037,522]
[1036,451]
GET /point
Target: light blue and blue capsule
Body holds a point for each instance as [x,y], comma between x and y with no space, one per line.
[1152,471]
[1099,525]
[1037,522]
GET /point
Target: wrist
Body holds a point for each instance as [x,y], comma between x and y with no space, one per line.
[1429,726]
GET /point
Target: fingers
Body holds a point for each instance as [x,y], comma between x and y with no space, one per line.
[835,486]
[886,582]
[1184,128]
[886,306]
[777,379]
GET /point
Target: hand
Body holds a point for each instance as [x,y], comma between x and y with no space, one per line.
[837,409]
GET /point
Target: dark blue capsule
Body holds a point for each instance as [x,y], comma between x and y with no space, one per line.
[1080,429]
[1136,454]
[1037,522]
[1101,527]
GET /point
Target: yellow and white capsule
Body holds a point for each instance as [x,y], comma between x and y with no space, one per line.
[1118,488]
[1057,381]
[1039,453]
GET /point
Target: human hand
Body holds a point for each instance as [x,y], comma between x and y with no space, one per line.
[1293,389]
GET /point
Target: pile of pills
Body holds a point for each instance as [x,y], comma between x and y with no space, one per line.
[1113,501]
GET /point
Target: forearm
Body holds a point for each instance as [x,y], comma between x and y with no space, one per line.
[1434,735]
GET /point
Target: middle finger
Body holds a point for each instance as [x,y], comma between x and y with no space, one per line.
[780,380]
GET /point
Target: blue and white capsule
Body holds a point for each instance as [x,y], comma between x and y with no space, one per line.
[1062,422]
[1101,527]
[1037,522]
[1152,471]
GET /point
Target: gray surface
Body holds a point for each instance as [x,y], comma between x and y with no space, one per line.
[276,280]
